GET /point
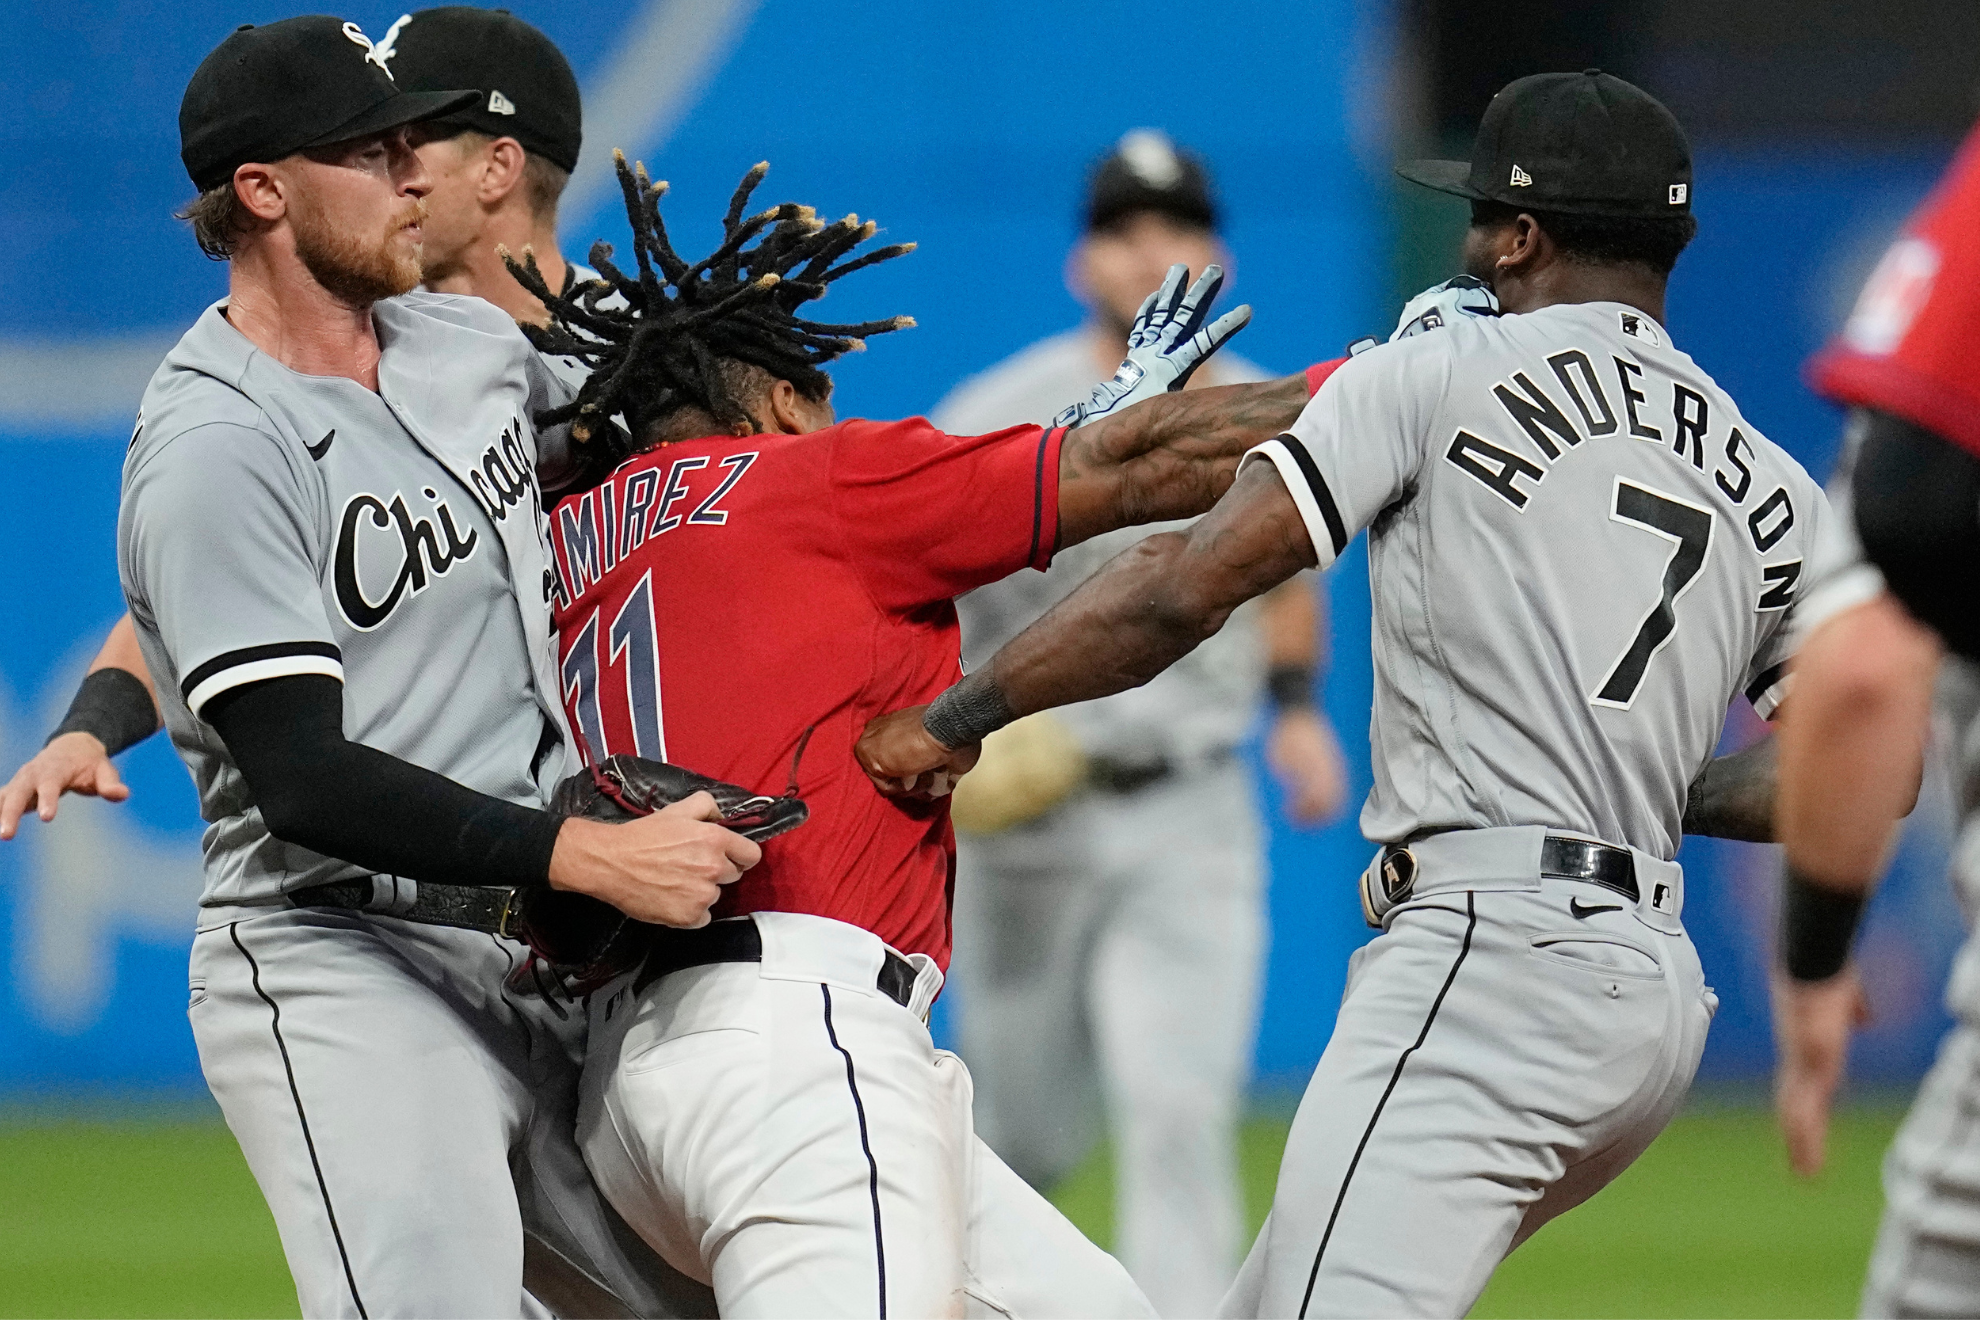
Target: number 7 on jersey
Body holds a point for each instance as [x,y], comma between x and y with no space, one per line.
[1689,527]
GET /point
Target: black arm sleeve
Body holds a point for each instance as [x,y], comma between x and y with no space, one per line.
[319,790]
[1917,498]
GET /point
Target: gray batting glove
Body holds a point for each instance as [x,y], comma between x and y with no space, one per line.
[1168,342]
[1461,295]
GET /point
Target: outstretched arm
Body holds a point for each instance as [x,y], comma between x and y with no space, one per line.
[114,708]
[1172,456]
[1146,609]
[1852,751]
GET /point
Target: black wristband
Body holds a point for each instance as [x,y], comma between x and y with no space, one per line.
[967,712]
[1817,926]
[1290,686]
[113,706]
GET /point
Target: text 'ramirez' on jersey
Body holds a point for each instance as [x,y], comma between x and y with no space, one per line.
[1579,553]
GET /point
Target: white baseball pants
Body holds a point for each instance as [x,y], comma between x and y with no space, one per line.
[1505,1048]
[408,1117]
[788,1134]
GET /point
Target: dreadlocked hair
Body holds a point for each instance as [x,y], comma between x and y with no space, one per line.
[677,329]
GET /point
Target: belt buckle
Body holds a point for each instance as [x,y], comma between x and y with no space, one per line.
[508,911]
[1386,883]
[1398,874]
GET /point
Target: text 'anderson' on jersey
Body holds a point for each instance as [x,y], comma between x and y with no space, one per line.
[1579,552]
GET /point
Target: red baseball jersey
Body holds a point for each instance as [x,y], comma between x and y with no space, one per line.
[1909,346]
[742,606]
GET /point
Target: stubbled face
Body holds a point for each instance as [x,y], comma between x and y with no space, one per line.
[454,214]
[356,213]
[1115,270]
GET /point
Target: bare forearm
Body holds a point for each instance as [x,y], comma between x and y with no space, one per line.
[1289,623]
[1120,629]
[1733,796]
[1152,604]
[120,651]
[1852,742]
[1167,457]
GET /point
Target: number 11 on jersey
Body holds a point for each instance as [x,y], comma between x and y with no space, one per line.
[1689,527]
[633,644]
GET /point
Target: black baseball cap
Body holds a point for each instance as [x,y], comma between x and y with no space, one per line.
[269,92]
[1147,172]
[528,91]
[1583,143]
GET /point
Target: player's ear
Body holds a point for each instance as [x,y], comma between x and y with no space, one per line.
[783,405]
[262,192]
[502,171]
[1528,244]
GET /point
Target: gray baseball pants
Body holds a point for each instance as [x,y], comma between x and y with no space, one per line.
[1927,1257]
[410,1119]
[1504,1049]
[1108,957]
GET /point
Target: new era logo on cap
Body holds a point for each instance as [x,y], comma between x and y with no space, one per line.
[499,104]
[1520,178]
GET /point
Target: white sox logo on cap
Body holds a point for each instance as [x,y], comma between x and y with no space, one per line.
[379,53]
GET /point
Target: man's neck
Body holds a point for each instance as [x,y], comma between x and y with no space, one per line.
[274,301]
[481,273]
[1575,282]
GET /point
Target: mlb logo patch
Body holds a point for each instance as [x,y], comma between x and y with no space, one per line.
[1660,898]
[1637,326]
[1679,191]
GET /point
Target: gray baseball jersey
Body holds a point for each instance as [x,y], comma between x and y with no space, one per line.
[275,523]
[1579,552]
[1198,707]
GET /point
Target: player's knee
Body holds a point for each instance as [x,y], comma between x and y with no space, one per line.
[1917,502]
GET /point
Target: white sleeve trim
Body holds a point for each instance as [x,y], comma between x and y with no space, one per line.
[1303,496]
[1856,585]
[1769,699]
[254,671]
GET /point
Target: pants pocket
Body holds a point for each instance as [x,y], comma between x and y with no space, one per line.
[195,993]
[1601,954]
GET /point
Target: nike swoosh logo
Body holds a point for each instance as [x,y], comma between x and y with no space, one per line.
[1574,906]
[321,447]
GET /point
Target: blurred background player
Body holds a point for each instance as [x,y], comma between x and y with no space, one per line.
[1108,948]
[1857,726]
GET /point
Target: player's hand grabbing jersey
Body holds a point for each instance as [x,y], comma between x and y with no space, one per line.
[729,602]
[1580,552]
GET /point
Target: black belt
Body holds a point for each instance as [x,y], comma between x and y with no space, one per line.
[1560,858]
[1115,776]
[1598,863]
[488,909]
[670,950]
[468,907]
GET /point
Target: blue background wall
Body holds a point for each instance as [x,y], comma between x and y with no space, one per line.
[967,130]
